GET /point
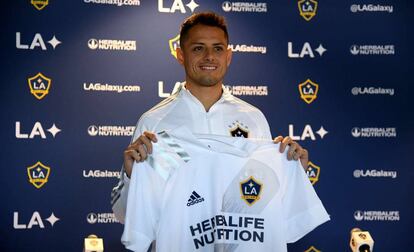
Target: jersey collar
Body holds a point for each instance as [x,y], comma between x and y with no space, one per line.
[226,96]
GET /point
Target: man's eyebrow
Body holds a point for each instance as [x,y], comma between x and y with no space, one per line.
[201,43]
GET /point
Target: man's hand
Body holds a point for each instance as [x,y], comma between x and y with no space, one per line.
[138,151]
[295,152]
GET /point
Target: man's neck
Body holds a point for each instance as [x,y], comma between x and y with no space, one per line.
[206,95]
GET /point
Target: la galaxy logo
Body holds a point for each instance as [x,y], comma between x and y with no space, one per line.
[313,172]
[308,91]
[250,190]
[312,249]
[38,174]
[174,44]
[39,85]
[307,8]
[238,129]
[362,236]
[39,4]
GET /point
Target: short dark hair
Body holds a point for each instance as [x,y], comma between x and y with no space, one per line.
[204,18]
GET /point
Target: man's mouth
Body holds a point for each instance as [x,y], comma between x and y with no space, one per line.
[208,68]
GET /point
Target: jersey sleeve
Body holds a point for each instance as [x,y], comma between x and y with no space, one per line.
[303,210]
[119,193]
[119,196]
[143,207]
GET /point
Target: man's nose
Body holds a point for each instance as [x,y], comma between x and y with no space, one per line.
[209,54]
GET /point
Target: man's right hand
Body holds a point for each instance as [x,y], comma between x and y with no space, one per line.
[138,151]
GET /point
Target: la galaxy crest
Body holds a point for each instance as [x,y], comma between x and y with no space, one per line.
[39,4]
[308,91]
[38,174]
[362,236]
[313,172]
[39,85]
[238,129]
[312,249]
[250,190]
[174,44]
[307,8]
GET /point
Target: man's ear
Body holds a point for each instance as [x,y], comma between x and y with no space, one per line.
[180,55]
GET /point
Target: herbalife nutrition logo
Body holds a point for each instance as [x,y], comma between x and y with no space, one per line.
[377,215]
[244,7]
[248,90]
[112,44]
[372,50]
[109,130]
[103,218]
[373,132]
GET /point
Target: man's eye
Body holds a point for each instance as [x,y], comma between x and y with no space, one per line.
[219,49]
[198,48]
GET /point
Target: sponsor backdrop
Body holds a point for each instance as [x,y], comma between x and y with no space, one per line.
[77,76]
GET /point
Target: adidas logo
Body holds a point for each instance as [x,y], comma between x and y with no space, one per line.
[194,199]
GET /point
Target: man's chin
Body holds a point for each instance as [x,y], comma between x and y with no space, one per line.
[209,82]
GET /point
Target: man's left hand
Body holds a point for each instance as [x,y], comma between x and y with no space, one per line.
[295,151]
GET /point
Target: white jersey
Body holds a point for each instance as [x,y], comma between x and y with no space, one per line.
[229,116]
[215,193]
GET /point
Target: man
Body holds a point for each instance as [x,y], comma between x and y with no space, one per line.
[201,103]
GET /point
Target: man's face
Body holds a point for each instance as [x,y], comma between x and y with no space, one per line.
[204,55]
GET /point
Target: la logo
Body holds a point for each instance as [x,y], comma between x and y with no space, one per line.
[313,172]
[177,5]
[38,174]
[161,92]
[39,85]
[174,44]
[306,50]
[307,8]
[308,91]
[250,190]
